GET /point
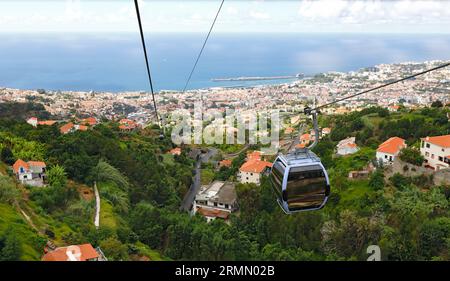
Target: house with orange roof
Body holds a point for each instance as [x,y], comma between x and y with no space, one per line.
[175,151]
[81,128]
[326,131]
[306,139]
[47,123]
[393,108]
[389,150]
[347,146]
[67,128]
[225,163]
[289,130]
[30,173]
[90,121]
[33,121]
[252,170]
[84,252]
[127,125]
[436,151]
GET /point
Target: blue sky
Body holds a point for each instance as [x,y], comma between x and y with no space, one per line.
[237,16]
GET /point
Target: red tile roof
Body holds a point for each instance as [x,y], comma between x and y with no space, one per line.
[225,163]
[47,123]
[442,141]
[305,137]
[127,124]
[91,121]
[175,151]
[66,128]
[255,155]
[255,166]
[300,145]
[82,128]
[392,145]
[214,213]
[20,163]
[37,164]
[80,252]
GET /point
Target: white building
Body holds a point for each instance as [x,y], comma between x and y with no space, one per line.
[217,200]
[347,146]
[252,170]
[436,151]
[30,173]
[33,121]
[388,150]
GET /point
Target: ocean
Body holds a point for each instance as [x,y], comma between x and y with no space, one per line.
[115,62]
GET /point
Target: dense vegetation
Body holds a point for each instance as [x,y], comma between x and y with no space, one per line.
[141,192]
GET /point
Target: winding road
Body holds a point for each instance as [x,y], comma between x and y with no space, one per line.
[188,200]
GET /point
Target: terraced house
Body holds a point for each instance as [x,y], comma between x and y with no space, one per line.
[436,151]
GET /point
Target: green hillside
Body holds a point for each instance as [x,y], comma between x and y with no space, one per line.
[141,191]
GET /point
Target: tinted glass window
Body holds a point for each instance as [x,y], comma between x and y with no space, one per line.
[276,177]
[306,187]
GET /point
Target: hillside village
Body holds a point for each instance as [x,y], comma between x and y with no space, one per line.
[361,151]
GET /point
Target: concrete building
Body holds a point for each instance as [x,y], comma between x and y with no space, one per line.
[436,151]
[217,200]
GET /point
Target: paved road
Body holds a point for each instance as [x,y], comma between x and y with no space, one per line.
[195,186]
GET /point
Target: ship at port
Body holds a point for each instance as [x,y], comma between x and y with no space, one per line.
[298,76]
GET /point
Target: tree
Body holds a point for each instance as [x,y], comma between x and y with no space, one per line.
[8,191]
[114,249]
[437,104]
[433,235]
[7,156]
[377,180]
[56,177]
[411,156]
[11,249]
[104,172]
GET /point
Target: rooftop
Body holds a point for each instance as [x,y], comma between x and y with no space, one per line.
[442,141]
[218,191]
[78,253]
[392,145]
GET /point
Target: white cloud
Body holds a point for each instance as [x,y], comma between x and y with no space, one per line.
[237,16]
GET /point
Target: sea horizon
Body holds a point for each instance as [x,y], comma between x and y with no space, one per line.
[114,62]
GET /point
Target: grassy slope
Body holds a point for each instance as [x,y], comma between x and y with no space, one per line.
[29,239]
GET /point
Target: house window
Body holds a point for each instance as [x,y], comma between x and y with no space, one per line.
[423,144]
[247,178]
[442,150]
[441,158]
[428,145]
[432,156]
[390,158]
[385,156]
[215,204]
[226,206]
[25,177]
[22,170]
[427,154]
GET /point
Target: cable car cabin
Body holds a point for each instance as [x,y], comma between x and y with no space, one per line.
[300,182]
